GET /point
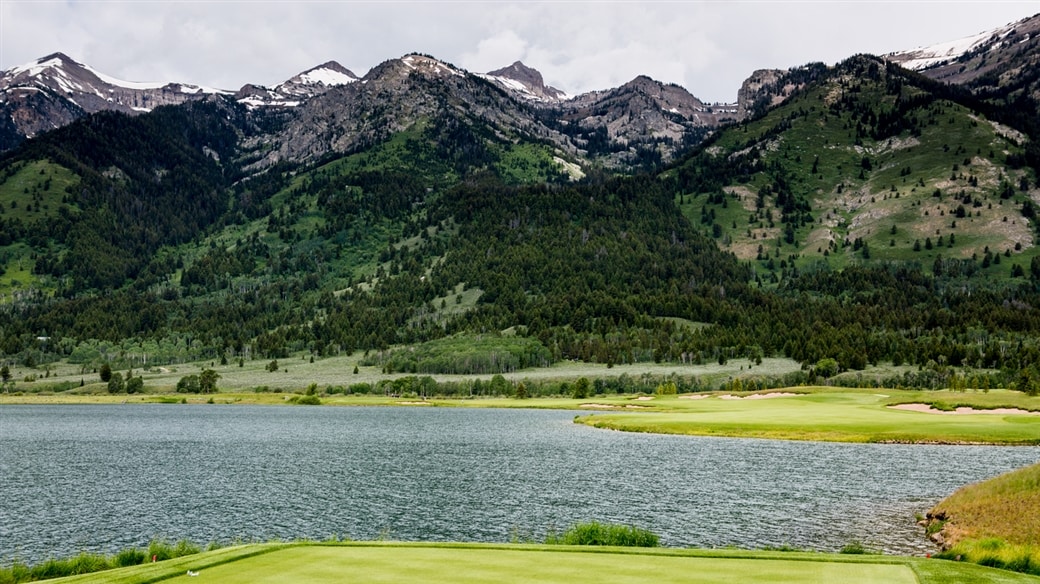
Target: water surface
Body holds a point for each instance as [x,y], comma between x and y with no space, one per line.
[100,478]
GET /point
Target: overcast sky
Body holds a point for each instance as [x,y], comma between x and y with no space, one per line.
[708,47]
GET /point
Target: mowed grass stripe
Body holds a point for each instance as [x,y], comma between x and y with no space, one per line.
[319,564]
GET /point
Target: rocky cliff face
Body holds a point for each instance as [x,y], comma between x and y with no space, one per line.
[392,97]
[644,116]
[525,83]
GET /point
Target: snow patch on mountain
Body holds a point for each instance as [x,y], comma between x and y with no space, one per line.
[430,65]
[326,76]
[925,57]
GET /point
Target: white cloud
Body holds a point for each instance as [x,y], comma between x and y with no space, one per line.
[495,52]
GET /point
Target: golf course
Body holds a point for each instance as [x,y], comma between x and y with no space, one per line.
[888,416]
[996,417]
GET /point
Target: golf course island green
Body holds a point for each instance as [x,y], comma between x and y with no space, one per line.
[828,414]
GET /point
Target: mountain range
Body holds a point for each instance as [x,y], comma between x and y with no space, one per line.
[642,114]
[333,213]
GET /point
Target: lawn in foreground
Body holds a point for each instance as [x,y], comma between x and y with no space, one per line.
[842,416]
[464,563]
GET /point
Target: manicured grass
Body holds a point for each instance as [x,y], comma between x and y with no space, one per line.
[462,563]
[831,415]
[995,522]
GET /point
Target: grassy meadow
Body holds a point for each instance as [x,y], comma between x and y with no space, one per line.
[412,562]
[297,373]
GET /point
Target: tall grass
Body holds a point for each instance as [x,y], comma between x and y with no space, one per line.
[87,563]
[996,522]
[595,533]
[996,553]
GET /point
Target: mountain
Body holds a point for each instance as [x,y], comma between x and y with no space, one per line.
[51,92]
[642,123]
[1000,67]
[1008,51]
[291,92]
[413,92]
[860,212]
[525,82]
[866,163]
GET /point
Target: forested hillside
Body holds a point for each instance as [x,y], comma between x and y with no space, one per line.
[873,217]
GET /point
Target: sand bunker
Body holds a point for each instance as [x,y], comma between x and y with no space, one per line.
[770,395]
[698,396]
[927,409]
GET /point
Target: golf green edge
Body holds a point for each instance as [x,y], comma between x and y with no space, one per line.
[521,563]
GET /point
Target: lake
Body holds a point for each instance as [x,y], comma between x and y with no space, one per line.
[101,478]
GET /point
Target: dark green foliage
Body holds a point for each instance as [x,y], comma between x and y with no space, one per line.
[116,383]
[145,181]
[134,385]
[208,381]
[188,384]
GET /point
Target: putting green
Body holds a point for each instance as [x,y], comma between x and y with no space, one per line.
[434,565]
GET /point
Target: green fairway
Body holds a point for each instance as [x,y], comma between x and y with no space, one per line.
[833,415]
[462,563]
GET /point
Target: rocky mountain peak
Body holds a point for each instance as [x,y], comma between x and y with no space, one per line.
[326,75]
[524,82]
[55,90]
[291,92]
[428,65]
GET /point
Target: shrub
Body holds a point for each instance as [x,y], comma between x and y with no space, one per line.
[595,533]
[188,384]
[855,548]
[306,400]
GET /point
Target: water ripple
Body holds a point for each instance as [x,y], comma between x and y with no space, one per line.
[99,478]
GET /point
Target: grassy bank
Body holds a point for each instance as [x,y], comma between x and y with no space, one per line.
[994,523]
[461,563]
